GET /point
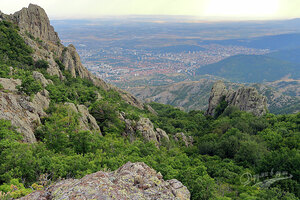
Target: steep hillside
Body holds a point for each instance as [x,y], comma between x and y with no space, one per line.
[251,69]
[64,134]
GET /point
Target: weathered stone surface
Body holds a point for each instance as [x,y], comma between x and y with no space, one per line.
[34,20]
[86,121]
[22,113]
[42,101]
[217,92]
[161,134]
[131,181]
[145,126]
[10,84]
[245,98]
[188,141]
[40,77]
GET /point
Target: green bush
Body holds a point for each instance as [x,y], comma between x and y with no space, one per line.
[41,64]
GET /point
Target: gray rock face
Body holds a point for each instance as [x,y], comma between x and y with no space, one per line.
[245,98]
[145,126]
[10,84]
[40,77]
[131,181]
[86,121]
[34,20]
[22,113]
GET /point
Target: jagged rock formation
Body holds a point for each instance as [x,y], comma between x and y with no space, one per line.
[22,113]
[245,98]
[40,77]
[144,127]
[35,21]
[86,121]
[131,181]
[35,28]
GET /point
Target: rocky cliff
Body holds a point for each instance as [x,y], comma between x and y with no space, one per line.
[131,181]
[25,112]
[35,28]
[245,98]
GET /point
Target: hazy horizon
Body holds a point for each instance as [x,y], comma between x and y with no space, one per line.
[205,10]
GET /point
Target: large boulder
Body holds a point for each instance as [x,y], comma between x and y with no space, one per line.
[245,98]
[146,128]
[86,121]
[131,181]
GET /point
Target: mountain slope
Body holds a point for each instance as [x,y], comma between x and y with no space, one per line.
[251,69]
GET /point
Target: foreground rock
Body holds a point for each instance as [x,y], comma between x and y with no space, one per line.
[245,98]
[131,181]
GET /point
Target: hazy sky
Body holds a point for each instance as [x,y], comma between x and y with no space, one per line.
[221,9]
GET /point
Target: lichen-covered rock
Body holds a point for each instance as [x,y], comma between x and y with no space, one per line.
[131,181]
[245,98]
[146,128]
[86,121]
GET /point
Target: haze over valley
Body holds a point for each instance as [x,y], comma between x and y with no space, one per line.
[136,52]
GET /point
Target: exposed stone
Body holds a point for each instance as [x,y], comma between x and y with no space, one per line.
[40,77]
[86,121]
[22,113]
[245,98]
[188,141]
[161,134]
[10,84]
[145,126]
[217,92]
[131,181]
[35,21]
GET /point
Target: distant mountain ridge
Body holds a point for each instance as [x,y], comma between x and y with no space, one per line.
[251,69]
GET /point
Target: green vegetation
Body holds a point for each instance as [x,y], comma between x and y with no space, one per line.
[13,50]
[227,147]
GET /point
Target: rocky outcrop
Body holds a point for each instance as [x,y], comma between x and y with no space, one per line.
[35,21]
[40,77]
[131,181]
[86,121]
[22,113]
[40,35]
[146,128]
[187,140]
[245,98]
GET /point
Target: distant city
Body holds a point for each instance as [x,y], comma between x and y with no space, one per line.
[118,64]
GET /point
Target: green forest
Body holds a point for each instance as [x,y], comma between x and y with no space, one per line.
[235,155]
